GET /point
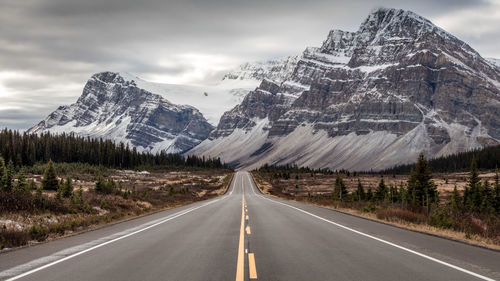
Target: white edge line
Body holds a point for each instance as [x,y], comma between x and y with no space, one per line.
[109,242]
[382,240]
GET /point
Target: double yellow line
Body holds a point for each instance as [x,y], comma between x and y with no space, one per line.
[240,265]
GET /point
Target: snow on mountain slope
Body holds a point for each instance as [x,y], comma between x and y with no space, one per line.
[211,101]
[495,62]
[277,70]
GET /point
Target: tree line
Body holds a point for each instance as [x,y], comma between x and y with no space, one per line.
[487,158]
[23,149]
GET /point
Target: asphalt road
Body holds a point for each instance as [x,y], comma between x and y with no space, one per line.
[245,235]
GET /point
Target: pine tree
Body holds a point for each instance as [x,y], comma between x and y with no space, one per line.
[360,192]
[403,191]
[393,194]
[67,188]
[340,190]
[2,173]
[456,200]
[49,181]
[100,185]
[21,185]
[369,194]
[8,177]
[474,188]
[487,202]
[381,191]
[420,185]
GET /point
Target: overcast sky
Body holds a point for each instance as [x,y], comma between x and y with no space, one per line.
[49,48]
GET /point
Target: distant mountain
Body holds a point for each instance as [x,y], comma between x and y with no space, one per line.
[369,99]
[113,107]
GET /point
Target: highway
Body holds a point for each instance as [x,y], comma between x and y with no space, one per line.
[244,235]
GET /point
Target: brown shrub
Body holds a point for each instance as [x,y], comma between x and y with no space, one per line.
[12,238]
[392,214]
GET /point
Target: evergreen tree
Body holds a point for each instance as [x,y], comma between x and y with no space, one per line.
[340,190]
[381,191]
[3,170]
[21,185]
[67,188]
[393,194]
[474,199]
[8,177]
[100,185]
[404,195]
[369,194]
[422,189]
[360,192]
[32,185]
[456,200]
[487,202]
[49,181]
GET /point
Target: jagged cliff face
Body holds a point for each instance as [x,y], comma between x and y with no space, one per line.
[115,108]
[366,100]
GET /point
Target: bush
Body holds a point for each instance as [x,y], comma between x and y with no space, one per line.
[105,187]
[38,233]
[442,218]
[12,238]
[392,214]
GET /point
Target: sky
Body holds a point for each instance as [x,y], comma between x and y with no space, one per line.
[50,48]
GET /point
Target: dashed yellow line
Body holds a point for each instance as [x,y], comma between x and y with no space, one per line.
[247,217]
[248,230]
[240,264]
[251,266]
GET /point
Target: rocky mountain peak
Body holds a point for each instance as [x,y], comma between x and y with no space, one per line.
[337,41]
[369,99]
[115,108]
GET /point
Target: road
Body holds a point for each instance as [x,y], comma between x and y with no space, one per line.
[244,235]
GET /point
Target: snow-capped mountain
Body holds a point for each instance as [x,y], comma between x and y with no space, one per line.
[114,107]
[365,100]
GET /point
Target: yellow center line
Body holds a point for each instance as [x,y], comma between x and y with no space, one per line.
[240,265]
[248,230]
[247,217]
[251,266]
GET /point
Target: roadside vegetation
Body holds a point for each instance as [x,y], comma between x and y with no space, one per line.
[469,210]
[44,199]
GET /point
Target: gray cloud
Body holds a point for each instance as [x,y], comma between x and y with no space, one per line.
[49,48]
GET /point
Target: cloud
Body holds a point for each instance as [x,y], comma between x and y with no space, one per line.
[51,47]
